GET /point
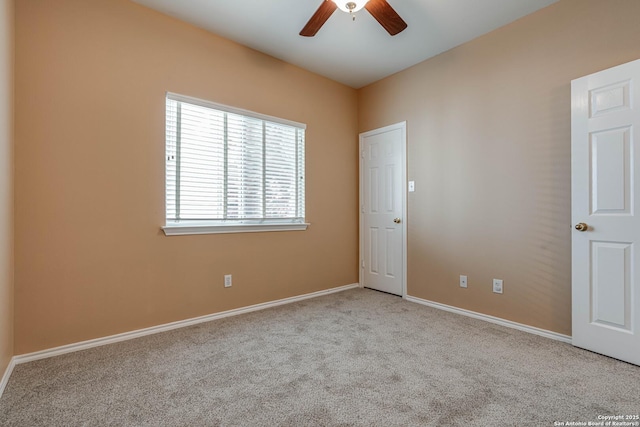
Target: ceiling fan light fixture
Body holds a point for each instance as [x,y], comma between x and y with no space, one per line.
[350,6]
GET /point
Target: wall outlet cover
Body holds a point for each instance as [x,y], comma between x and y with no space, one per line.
[497,286]
[463,281]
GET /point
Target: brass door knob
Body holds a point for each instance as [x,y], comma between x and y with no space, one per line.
[581,226]
[397,220]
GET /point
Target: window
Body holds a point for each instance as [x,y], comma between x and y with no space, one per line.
[231,170]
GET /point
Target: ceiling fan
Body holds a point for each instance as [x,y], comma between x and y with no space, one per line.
[379,9]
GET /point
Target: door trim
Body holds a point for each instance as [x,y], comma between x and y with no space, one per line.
[403,128]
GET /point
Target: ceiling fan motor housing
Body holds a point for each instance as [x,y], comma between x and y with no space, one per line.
[350,6]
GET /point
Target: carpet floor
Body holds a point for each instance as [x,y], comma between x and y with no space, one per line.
[357,357]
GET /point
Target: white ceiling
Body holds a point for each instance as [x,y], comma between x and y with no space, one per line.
[355,53]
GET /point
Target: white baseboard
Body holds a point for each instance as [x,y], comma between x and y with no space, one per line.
[503,322]
[7,374]
[84,345]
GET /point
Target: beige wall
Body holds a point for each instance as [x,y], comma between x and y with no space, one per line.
[6,183]
[489,148]
[91,259]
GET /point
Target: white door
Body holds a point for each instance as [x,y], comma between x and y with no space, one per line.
[605,194]
[382,209]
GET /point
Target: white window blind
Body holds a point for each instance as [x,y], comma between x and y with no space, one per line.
[226,166]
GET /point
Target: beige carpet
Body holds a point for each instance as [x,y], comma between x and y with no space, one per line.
[354,358]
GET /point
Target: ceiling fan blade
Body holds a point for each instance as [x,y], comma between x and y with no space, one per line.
[386,16]
[318,19]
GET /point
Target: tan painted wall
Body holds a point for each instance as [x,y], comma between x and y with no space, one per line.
[91,259]
[6,183]
[489,148]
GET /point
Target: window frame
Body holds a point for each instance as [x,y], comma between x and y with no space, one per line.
[189,227]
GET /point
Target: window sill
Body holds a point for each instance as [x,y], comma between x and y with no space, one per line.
[188,229]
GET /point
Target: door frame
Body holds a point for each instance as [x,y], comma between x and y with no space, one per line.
[403,128]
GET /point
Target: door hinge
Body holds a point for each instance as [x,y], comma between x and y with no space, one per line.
[362,264]
[362,154]
[362,208]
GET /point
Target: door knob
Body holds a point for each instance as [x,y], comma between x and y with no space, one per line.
[397,220]
[581,226]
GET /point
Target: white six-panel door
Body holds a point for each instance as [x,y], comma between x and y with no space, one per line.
[605,153]
[382,210]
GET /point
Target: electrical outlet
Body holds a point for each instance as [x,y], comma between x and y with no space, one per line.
[227,281]
[497,286]
[463,281]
